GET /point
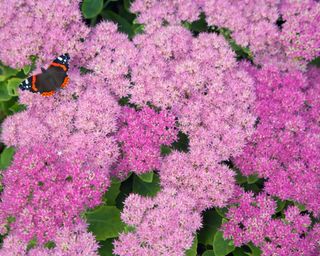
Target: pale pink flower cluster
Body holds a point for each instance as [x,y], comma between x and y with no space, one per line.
[300,34]
[164,225]
[80,119]
[156,13]
[252,23]
[76,241]
[39,28]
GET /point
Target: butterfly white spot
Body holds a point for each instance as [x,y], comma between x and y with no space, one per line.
[26,81]
[59,58]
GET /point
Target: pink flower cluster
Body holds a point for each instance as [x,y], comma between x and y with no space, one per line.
[252,23]
[45,191]
[79,120]
[156,13]
[40,28]
[163,225]
[265,118]
[300,35]
[110,57]
[76,241]
[141,134]
[286,144]
[201,81]
[212,96]
[252,220]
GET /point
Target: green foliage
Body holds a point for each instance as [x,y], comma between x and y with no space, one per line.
[91,8]
[111,195]
[211,223]
[6,157]
[106,247]
[222,247]
[104,222]
[146,188]
[208,253]
[146,177]
[255,251]
[193,250]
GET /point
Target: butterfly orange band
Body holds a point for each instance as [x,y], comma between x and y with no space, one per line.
[47,94]
[59,65]
[34,88]
[65,82]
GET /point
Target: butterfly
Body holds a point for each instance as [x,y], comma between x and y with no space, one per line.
[51,79]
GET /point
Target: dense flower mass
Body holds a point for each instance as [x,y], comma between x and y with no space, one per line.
[157,13]
[252,220]
[164,225]
[300,34]
[209,185]
[44,191]
[39,28]
[285,145]
[141,134]
[66,242]
[78,120]
[110,57]
[209,91]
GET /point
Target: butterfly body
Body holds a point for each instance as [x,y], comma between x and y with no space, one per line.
[51,79]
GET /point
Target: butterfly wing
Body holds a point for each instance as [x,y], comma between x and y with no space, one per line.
[55,77]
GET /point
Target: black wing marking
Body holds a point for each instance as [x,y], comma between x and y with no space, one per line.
[63,60]
[51,79]
[26,85]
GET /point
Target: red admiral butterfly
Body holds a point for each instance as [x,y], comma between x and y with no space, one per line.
[55,77]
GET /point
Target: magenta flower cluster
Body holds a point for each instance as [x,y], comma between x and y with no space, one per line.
[253,220]
[284,149]
[141,134]
[44,191]
[261,117]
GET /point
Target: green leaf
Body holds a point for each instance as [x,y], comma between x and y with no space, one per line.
[12,86]
[127,4]
[146,177]
[211,223]
[255,251]
[108,2]
[240,178]
[222,247]
[105,222]
[222,211]
[91,8]
[239,252]
[280,205]
[123,24]
[208,253]
[26,69]
[4,96]
[165,150]
[106,247]
[6,72]
[144,188]
[111,195]
[300,206]
[193,250]
[16,107]
[6,157]
[252,178]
